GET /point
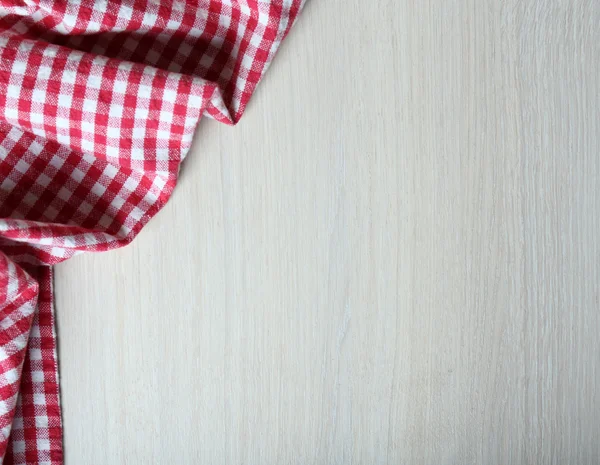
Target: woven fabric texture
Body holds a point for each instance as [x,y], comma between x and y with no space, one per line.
[99,101]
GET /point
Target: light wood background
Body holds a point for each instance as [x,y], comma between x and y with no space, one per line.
[393,259]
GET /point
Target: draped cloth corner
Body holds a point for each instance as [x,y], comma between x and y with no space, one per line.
[99,101]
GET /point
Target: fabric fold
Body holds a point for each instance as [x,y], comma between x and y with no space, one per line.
[17,308]
[99,101]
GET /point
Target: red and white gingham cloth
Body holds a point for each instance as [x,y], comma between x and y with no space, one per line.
[99,100]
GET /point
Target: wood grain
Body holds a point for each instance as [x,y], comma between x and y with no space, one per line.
[393,258]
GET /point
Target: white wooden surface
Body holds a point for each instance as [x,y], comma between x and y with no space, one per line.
[393,259]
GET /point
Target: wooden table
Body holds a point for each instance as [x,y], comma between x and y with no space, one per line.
[393,259]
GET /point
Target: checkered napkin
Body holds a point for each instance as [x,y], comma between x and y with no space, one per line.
[99,100]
